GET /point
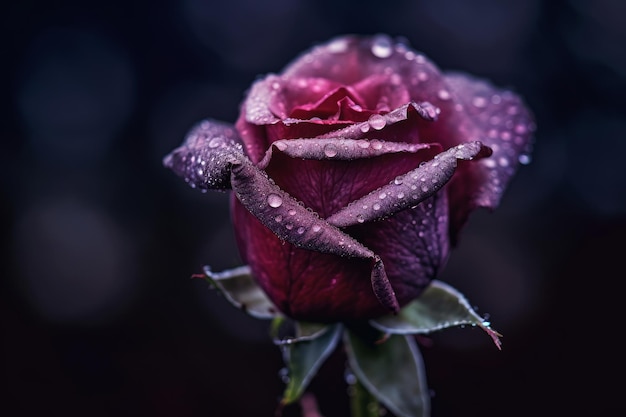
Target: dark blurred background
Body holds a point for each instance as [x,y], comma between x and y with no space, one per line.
[98,313]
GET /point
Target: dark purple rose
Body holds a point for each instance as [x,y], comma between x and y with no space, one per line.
[353,172]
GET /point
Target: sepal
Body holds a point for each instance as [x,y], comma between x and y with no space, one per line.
[303,359]
[239,287]
[392,371]
[440,306]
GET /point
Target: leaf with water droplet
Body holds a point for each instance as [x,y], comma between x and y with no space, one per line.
[239,287]
[393,371]
[440,306]
[304,358]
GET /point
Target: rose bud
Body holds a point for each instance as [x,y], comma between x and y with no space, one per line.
[353,172]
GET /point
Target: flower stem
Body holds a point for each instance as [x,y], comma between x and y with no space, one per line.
[362,402]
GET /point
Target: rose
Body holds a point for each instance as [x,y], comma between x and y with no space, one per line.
[354,171]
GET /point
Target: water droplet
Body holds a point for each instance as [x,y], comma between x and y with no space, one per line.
[376,206]
[382,196]
[365,127]
[443,94]
[301,230]
[274,200]
[316,228]
[376,144]
[363,144]
[360,218]
[278,218]
[292,212]
[424,188]
[381,46]
[479,102]
[283,374]
[400,195]
[215,142]
[338,45]
[377,121]
[503,161]
[330,150]
[524,159]
[521,129]
[398,180]
[289,226]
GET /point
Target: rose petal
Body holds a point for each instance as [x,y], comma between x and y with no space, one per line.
[409,189]
[300,226]
[290,275]
[339,149]
[205,156]
[413,245]
[501,121]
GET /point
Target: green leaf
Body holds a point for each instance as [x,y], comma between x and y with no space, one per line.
[239,287]
[304,358]
[392,371]
[439,307]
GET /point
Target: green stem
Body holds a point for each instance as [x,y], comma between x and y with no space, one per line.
[362,403]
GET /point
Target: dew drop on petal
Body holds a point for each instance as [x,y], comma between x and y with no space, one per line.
[524,159]
[521,129]
[289,226]
[292,212]
[365,127]
[398,180]
[360,218]
[215,142]
[363,144]
[479,102]
[443,94]
[301,230]
[330,150]
[316,228]
[337,46]
[376,144]
[376,206]
[382,47]
[274,200]
[278,218]
[382,196]
[376,121]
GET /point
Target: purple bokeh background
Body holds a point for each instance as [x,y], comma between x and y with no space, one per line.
[98,315]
